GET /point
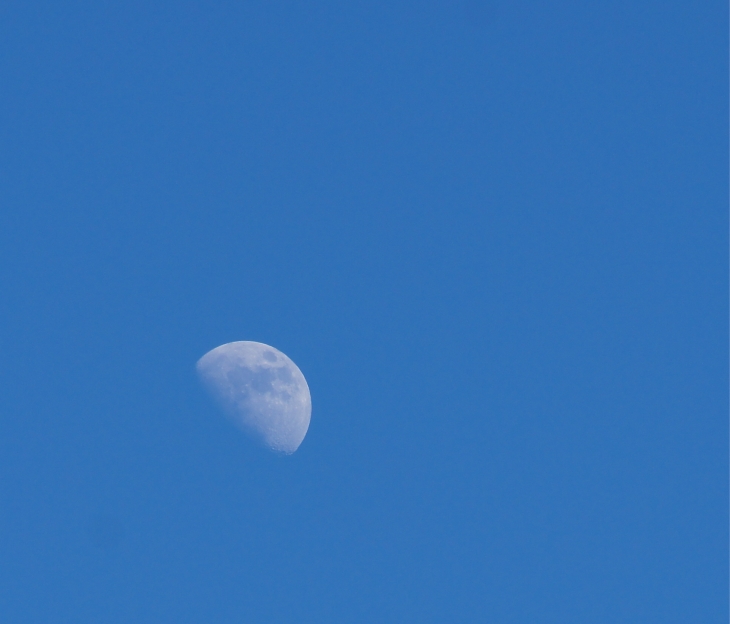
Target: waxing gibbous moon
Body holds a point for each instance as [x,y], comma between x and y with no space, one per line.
[261,390]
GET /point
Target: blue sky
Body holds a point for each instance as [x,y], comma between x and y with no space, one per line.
[492,235]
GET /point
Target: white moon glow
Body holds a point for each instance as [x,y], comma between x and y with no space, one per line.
[261,390]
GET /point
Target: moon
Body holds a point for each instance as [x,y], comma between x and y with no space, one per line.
[261,390]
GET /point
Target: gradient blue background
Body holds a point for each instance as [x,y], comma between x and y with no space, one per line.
[493,236]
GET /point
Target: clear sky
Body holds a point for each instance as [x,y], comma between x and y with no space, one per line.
[493,236]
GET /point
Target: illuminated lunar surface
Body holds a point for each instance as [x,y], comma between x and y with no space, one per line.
[261,390]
